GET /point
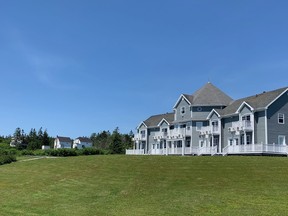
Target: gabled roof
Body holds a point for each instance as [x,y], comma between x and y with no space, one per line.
[154,120]
[63,139]
[84,139]
[211,113]
[208,95]
[257,102]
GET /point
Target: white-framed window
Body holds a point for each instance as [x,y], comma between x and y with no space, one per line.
[230,142]
[281,140]
[143,133]
[281,118]
[199,125]
[236,141]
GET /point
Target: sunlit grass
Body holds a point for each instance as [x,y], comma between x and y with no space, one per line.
[145,185]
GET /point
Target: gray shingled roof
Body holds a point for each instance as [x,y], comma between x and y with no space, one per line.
[209,95]
[257,102]
[84,139]
[155,119]
[64,139]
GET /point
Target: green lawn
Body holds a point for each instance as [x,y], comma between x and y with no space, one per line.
[145,185]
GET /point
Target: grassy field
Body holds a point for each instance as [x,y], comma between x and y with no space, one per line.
[145,185]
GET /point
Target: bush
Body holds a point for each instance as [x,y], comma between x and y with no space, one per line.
[5,159]
[90,151]
[61,152]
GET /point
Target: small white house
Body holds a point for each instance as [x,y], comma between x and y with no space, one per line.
[82,142]
[62,142]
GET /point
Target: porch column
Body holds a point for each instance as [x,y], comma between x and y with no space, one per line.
[183,146]
[167,147]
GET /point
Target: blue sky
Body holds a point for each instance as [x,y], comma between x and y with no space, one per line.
[77,67]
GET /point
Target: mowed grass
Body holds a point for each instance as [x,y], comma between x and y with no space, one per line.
[145,185]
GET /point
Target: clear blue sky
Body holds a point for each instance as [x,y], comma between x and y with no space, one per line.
[75,67]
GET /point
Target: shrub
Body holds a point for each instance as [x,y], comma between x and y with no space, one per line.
[5,159]
[90,151]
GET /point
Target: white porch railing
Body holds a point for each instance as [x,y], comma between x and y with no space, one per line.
[207,150]
[134,151]
[256,148]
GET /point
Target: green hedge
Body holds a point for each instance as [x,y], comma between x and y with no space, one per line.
[62,152]
[5,159]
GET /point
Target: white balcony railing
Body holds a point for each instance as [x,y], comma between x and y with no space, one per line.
[140,137]
[241,125]
[210,130]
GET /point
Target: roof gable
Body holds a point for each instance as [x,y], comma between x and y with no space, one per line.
[154,121]
[244,103]
[213,112]
[63,139]
[257,102]
[183,97]
[163,121]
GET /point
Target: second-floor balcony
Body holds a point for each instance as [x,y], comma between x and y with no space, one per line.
[214,129]
[244,125]
[177,133]
[140,137]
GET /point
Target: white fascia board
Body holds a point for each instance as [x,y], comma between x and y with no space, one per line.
[277,98]
[242,105]
[162,121]
[179,99]
[142,123]
[213,111]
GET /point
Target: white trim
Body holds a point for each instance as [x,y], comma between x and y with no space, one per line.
[210,114]
[242,105]
[162,121]
[284,139]
[141,124]
[182,97]
[266,127]
[283,118]
[277,98]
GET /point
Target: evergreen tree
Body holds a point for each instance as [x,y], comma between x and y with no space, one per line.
[116,145]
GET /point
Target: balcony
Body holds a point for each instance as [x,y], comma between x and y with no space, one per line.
[140,137]
[160,135]
[215,130]
[244,125]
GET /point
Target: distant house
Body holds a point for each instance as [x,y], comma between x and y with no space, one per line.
[82,142]
[62,142]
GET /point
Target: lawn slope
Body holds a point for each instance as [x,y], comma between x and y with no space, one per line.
[145,185]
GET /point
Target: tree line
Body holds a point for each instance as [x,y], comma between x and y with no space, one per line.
[113,143]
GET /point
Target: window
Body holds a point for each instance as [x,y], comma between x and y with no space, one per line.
[281,140]
[182,110]
[230,142]
[236,141]
[248,139]
[281,118]
[199,109]
[143,133]
[199,126]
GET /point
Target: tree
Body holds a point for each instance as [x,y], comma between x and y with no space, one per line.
[116,145]
[45,139]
